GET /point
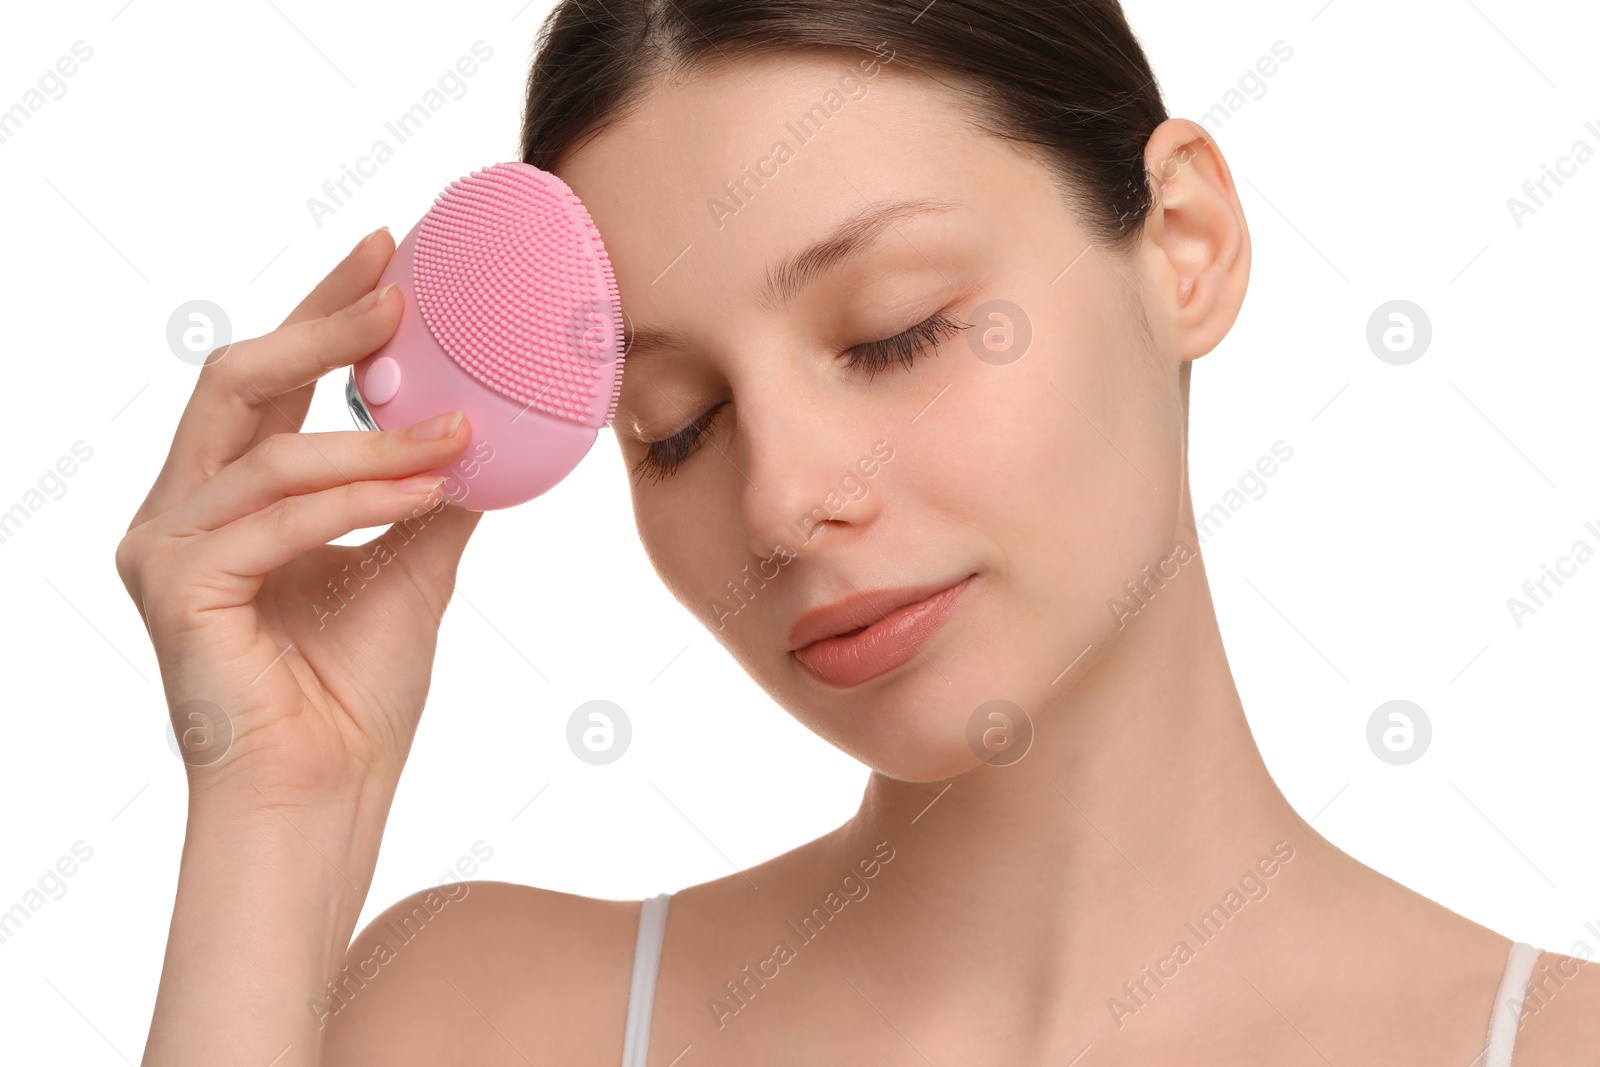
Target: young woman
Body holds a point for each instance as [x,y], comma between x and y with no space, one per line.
[956,252]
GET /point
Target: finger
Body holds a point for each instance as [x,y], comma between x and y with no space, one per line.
[346,283]
[260,543]
[226,413]
[265,368]
[207,414]
[335,291]
[297,464]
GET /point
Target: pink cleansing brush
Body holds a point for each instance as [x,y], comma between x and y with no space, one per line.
[511,314]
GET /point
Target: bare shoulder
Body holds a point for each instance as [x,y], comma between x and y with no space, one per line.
[1561,1014]
[483,973]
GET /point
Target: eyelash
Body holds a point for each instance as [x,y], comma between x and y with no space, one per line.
[663,458]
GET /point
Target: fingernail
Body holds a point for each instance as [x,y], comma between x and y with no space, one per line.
[371,300]
[368,239]
[420,484]
[439,427]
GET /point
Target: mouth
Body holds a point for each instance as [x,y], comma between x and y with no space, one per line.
[887,639]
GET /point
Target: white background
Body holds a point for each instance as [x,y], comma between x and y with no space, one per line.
[1376,165]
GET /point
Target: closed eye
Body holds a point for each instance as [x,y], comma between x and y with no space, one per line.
[664,457]
[905,347]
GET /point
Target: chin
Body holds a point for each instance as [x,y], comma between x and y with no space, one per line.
[912,725]
[940,714]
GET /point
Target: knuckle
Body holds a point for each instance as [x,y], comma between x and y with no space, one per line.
[303,344]
[231,377]
[273,453]
[379,449]
[279,516]
[318,336]
[221,370]
[149,568]
[129,559]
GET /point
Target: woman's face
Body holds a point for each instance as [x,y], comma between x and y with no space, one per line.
[1039,451]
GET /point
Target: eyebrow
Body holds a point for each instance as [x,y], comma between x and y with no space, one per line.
[848,241]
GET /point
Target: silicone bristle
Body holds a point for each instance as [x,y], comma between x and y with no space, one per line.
[514,283]
[614,296]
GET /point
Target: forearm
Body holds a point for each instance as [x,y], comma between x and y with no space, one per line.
[268,898]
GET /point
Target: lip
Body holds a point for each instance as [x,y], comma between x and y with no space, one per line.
[897,622]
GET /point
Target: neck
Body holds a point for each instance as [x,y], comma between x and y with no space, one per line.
[1139,806]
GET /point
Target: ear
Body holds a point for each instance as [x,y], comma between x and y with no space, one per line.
[1196,250]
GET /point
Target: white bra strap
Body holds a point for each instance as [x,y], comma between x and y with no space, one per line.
[642,989]
[1507,1013]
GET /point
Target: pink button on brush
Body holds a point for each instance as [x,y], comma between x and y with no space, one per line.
[511,314]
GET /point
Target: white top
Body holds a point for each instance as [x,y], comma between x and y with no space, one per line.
[642,990]
[1507,1014]
[1503,1020]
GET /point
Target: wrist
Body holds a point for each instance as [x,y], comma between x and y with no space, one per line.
[304,858]
[236,791]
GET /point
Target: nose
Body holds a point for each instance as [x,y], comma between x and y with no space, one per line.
[802,490]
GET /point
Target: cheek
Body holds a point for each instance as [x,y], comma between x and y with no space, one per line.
[675,535]
[1067,464]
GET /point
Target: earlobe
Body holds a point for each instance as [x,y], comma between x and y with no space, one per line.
[1196,236]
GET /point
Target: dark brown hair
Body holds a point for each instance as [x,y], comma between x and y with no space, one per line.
[1065,75]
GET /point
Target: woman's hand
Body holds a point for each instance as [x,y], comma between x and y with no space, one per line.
[294,669]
